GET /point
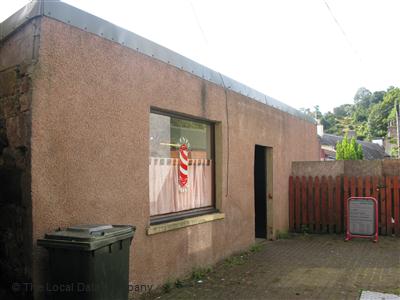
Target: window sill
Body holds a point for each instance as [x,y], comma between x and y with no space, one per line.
[164,227]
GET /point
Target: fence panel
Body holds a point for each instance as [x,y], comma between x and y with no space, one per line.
[330,211]
[310,201]
[396,205]
[297,204]
[317,198]
[338,204]
[346,191]
[304,218]
[388,205]
[382,200]
[291,204]
[317,204]
[324,192]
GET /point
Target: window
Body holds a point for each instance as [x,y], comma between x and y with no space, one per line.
[181,165]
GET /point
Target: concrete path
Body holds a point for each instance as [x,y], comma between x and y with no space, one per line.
[301,267]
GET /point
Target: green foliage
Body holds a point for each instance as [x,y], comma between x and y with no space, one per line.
[343,110]
[178,283]
[167,287]
[382,113]
[235,260]
[349,150]
[200,273]
[360,152]
[256,247]
[282,235]
[394,151]
[369,115]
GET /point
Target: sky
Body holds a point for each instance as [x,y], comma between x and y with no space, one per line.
[301,52]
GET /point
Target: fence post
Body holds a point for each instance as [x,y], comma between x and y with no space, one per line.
[330,204]
[310,204]
[317,194]
[375,194]
[297,204]
[345,196]
[304,201]
[389,205]
[383,205]
[396,205]
[338,204]
[324,192]
[367,186]
[360,187]
[291,204]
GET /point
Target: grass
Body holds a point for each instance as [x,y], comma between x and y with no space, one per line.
[240,259]
[235,260]
[178,283]
[395,291]
[282,235]
[256,247]
[167,287]
[200,273]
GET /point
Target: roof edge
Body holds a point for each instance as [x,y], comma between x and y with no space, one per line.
[19,18]
[73,16]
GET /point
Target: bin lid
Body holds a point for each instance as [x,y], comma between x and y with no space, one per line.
[87,236]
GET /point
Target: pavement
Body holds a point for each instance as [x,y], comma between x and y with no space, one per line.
[300,267]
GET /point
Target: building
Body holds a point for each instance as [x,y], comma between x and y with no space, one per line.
[370,150]
[99,125]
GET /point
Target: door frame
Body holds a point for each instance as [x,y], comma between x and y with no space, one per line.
[268,153]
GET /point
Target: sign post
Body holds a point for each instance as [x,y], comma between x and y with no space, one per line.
[362,218]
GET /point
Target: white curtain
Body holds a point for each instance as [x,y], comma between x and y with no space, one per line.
[165,195]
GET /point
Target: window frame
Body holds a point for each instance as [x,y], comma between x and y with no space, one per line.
[179,215]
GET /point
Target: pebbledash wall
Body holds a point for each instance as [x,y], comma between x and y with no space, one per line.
[86,142]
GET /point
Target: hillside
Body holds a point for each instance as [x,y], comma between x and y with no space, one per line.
[369,115]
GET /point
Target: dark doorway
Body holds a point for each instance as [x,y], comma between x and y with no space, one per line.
[260,191]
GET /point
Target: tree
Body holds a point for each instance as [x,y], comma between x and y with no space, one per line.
[369,114]
[363,97]
[343,110]
[382,113]
[377,97]
[348,150]
[360,152]
[317,113]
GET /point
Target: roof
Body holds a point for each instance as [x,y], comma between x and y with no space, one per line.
[73,16]
[371,150]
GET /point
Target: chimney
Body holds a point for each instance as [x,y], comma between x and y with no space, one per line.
[320,129]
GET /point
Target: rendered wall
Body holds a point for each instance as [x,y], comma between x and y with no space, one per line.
[17,58]
[90,149]
[378,167]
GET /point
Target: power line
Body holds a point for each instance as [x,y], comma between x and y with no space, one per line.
[198,22]
[341,29]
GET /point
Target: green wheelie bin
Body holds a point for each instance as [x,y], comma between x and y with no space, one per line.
[88,262]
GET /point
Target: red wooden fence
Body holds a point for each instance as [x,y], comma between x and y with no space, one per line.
[317,204]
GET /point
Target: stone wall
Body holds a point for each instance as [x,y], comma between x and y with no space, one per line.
[15,207]
[16,67]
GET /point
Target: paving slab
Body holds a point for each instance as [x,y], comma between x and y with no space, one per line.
[300,267]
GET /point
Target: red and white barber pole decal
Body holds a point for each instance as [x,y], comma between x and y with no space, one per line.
[183,164]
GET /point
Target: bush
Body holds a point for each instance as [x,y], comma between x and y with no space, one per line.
[349,150]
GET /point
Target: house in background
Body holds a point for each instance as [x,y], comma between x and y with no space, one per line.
[390,142]
[328,146]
